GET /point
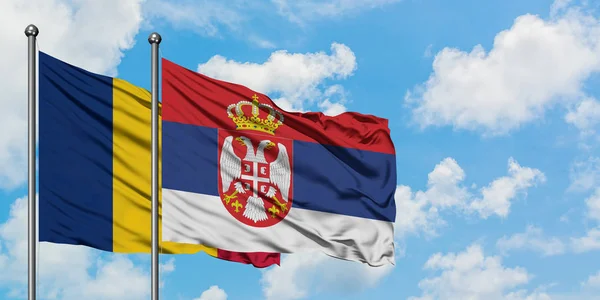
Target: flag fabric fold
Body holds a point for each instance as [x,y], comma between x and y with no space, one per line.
[94,165]
[271,180]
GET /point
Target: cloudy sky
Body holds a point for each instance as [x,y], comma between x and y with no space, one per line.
[493,110]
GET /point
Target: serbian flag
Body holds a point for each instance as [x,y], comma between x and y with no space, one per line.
[241,174]
[94,161]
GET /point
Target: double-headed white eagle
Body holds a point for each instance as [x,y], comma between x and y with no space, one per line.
[279,174]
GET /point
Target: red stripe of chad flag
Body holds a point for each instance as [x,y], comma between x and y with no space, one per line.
[243,175]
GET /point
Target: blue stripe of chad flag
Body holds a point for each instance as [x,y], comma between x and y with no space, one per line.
[94,165]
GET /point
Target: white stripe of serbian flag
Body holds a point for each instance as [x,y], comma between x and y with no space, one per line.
[241,175]
[202,219]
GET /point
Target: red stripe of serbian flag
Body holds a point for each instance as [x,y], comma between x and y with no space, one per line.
[94,162]
[270,180]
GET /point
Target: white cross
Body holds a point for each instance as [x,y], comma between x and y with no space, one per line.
[255,179]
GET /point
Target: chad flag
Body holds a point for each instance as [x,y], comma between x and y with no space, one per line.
[94,165]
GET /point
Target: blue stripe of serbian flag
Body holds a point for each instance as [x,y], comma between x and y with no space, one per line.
[271,180]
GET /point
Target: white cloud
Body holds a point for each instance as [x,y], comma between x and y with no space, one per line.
[214,18]
[209,17]
[443,184]
[525,295]
[420,211]
[428,51]
[302,11]
[299,79]
[90,34]
[472,275]
[117,278]
[533,66]
[593,205]
[168,266]
[304,273]
[559,6]
[589,242]
[331,109]
[213,293]
[202,16]
[335,98]
[496,196]
[532,239]
[585,175]
[415,214]
[261,42]
[585,116]
[90,275]
[593,282]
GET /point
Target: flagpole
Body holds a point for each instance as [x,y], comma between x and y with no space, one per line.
[154,39]
[31,32]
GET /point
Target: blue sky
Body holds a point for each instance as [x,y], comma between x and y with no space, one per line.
[492,108]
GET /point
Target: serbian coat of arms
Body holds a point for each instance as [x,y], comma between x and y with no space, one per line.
[255,166]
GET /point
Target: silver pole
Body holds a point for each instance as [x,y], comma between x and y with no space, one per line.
[31,32]
[154,40]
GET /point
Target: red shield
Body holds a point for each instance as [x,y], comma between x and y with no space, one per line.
[255,176]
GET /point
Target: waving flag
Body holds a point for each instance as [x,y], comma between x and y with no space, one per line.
[94,161]
[241,174]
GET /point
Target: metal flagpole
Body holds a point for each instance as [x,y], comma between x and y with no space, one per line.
[154,40]
[31,32]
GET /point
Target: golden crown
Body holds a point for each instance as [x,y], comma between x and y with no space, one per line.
[254,122]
